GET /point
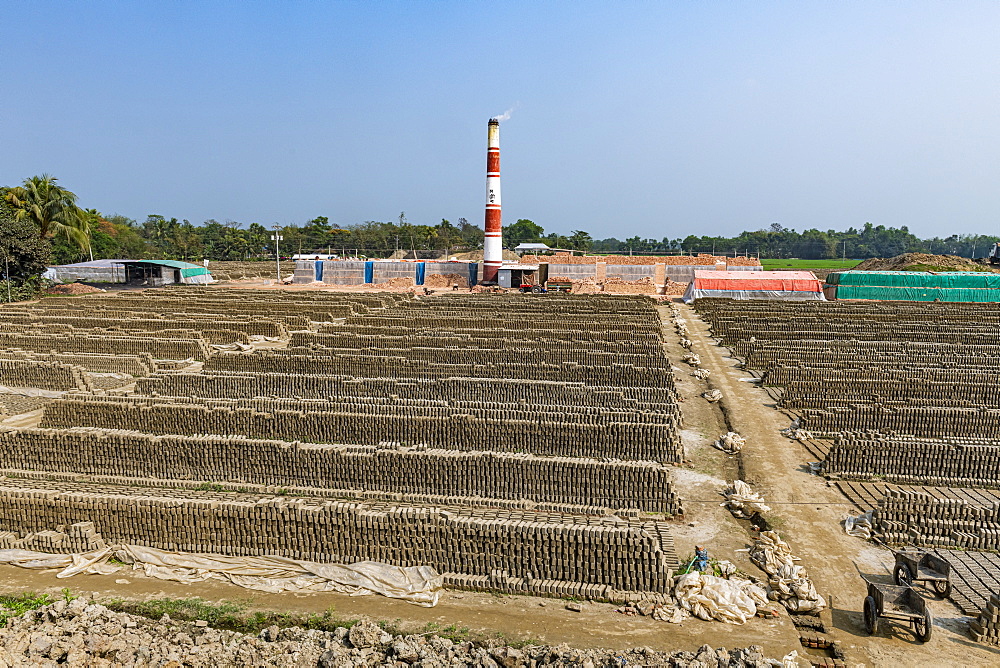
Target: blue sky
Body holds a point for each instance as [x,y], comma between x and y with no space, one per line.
[656,119]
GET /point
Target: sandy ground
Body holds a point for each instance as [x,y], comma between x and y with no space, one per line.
[807,512]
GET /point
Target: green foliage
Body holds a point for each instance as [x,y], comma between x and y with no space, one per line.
[523,231]
[236,616]
[15,606]
[52,208]
[771,264]
[22,253]
[869,241]
[74,233]
[211,487]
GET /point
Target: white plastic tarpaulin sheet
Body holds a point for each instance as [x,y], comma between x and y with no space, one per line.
[416,584]
[708,597]
[786,285]
[692,293]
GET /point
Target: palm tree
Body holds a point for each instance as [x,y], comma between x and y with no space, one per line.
[52,208]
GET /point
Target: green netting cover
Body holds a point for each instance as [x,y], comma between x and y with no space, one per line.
[918,294]
[916,279]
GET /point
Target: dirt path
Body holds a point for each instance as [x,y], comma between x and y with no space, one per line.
[807,512]
[544,620]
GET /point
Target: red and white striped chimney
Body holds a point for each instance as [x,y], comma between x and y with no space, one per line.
[493,244]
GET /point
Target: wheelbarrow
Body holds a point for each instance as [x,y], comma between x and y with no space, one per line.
[900,604]
[915,565]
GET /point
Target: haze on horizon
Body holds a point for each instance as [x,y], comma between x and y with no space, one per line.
[650,119]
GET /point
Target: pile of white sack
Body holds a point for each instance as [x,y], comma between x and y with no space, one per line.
[712,396]
[787,581]
[731,443]
[743,502]
[793,432]
[862,526]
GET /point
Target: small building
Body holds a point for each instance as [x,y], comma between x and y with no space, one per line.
[95,271]
[520,249]
[781,285]
[516,275]
[155,273]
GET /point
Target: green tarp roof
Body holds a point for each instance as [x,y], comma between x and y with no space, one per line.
[187,269]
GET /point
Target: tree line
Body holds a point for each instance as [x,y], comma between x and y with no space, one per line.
[41,223]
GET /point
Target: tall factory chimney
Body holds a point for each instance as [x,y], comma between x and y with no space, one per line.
[493,245]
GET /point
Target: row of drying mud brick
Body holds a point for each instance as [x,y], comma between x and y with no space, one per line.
[345,339]
[904,517]
[514,352]
[925,421]
[611,484]
[621,555]
[92,343]
[612,335]
[131,365]
[42,375]
[888,390]
[361,365]
[545,304]
[140,322]
[501,391]
[487,322]
[951,463]
[622,435]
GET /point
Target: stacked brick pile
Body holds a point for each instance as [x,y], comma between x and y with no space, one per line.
[616,285]
[986,627]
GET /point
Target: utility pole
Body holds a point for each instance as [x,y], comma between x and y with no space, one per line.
[6,273]
[276,238]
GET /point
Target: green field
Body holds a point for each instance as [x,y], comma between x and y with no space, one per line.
[809,264]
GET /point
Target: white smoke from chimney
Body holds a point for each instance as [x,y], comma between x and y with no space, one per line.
[505,116]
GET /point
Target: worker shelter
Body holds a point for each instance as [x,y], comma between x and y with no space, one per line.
[155,273]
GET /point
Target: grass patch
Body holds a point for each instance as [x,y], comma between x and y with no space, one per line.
[230,615]
[237,616]
[795,263]
[15,606]
[937,268]
[210,487]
